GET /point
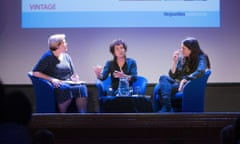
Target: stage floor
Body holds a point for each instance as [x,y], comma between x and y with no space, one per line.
[132,120]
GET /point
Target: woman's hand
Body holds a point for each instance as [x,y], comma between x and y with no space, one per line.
[75,77]
[56,82]
[181,85]
[97,70]
[119,74]
[175,60]
[175,56]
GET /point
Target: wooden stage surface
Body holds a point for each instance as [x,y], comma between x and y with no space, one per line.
[132,120]
[163,128]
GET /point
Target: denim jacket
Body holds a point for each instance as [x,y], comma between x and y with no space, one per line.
[129,68]
[182,73]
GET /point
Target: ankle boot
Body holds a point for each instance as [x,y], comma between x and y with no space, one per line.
[166,104]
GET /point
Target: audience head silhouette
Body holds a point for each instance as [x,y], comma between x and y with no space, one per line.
[17,108]
[43,136]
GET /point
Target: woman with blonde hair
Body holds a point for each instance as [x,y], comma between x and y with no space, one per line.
[57,67]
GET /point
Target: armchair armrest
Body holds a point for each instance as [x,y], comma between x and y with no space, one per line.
[45,101]
[193,94]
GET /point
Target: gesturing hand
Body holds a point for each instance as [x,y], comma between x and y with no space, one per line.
[97,70]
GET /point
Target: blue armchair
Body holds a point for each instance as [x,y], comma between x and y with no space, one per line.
[123,104]
[45,101]
[191,99]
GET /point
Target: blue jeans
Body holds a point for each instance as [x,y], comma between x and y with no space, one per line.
[168,87]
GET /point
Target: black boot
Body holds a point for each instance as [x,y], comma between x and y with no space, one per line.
[166,104]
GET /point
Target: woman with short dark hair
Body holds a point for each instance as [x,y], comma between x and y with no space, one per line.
[119,67]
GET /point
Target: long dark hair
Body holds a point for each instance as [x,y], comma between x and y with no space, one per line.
[193,60]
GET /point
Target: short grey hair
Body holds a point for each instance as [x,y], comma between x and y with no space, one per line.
[55,40]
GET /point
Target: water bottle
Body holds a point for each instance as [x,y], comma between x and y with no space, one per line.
[123,87]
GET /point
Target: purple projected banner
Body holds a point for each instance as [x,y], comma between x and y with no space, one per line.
[120,13]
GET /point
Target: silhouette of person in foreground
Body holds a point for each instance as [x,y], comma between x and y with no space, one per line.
[230,134]
[16,115]
[43,136]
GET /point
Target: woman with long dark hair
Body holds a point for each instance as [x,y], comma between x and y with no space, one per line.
[190,62]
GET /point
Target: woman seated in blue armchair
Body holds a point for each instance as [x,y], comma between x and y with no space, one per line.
[57,67]
[189,62]
[119,67]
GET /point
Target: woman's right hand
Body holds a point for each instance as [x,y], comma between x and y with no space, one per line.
[175,56]
[97,70]
[175,60]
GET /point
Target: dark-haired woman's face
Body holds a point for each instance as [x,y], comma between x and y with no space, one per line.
[185,51]
[119,51]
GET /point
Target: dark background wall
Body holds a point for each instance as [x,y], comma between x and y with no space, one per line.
[220,97]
